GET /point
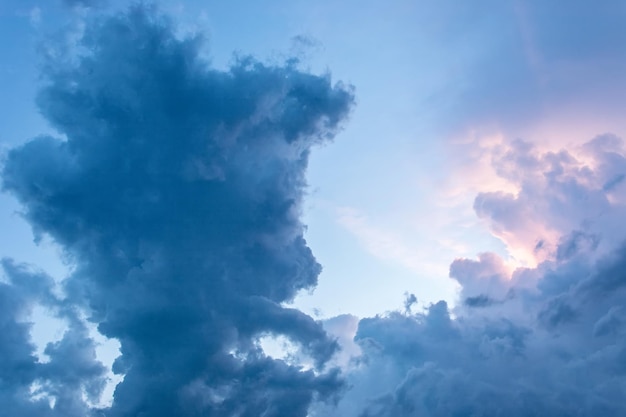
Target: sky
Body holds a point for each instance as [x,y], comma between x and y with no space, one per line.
[291,208]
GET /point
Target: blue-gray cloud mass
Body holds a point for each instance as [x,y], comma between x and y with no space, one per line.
[175,191]
[557,350]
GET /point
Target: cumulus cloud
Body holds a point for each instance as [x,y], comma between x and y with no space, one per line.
[176,193]
[551,74]
[541,352]
[546,340]
[175,190]
[565,201]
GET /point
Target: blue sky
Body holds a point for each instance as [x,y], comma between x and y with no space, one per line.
[317,209]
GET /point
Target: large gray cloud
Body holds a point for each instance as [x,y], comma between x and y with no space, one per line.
[176,193]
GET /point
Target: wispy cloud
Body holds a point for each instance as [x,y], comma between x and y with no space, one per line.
[381,242]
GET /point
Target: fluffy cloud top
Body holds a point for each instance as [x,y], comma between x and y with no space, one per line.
[575,195]
[175,191]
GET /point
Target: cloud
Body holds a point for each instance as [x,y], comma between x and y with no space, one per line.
[534,354]
[344,328]
[176,193]
[72,377]
[541,340]
[549,74]
[377,241]
[175,190]
[546,338]
[84,3]
[564,199]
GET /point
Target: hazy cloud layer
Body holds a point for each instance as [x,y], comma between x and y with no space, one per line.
[176,193]
[84,3]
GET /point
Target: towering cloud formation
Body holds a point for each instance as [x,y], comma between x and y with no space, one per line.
[176,193]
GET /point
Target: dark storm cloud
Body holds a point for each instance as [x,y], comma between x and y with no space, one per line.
[177,196]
